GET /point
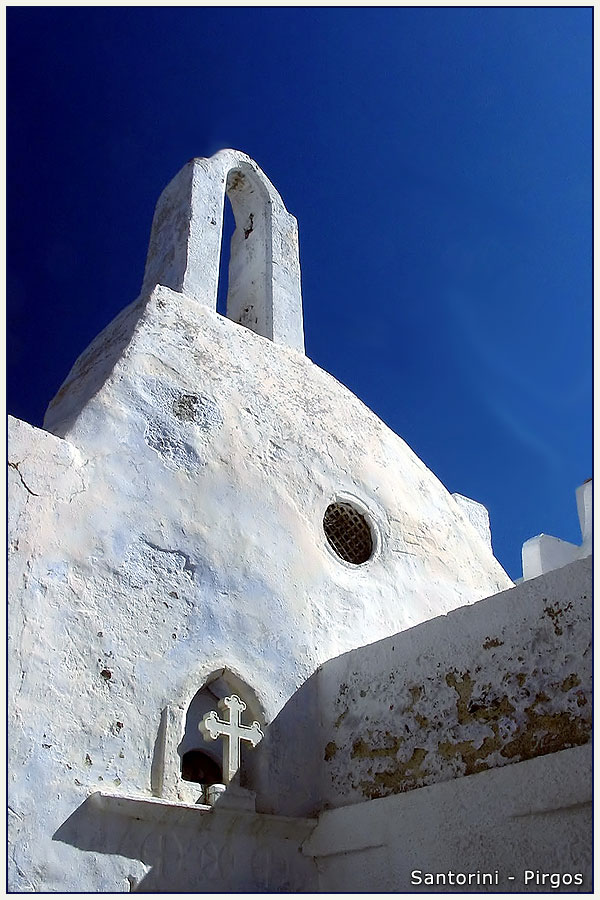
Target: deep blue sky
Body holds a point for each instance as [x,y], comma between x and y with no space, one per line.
[438,162]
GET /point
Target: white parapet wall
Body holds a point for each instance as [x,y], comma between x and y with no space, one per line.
[544,553]
[504,680]
[461,748]
[523,829]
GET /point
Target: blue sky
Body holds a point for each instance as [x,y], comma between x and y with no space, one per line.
[438,161]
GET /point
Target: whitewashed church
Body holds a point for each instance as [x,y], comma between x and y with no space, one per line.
[255,644]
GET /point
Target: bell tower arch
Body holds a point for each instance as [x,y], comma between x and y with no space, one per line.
[264,271]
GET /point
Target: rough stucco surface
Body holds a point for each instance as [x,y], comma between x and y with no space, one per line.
[214,455]
[75,728]
[477,515]
[178,530]
[502,681]
[219,418]
[190,848]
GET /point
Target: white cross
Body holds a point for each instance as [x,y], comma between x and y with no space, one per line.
[233,733]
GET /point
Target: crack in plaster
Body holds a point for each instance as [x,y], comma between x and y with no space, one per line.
[15,466]
[29,884]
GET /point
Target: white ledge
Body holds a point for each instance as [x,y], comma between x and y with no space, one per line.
[141,806]
[162,811]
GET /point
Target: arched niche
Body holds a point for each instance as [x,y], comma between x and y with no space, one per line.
[199,761]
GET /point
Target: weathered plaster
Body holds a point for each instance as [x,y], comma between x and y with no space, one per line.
[167,847]
[477,515]
[504,680]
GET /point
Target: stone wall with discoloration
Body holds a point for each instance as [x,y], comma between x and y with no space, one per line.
[505,680]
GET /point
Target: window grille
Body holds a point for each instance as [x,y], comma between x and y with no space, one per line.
[348,533]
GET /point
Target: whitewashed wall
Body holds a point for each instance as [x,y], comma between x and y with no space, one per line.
[186,537]
[173,528]
[544,553]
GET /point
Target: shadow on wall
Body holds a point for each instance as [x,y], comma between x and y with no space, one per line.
[285,769]
[190,850]
[95,829]
[176,852]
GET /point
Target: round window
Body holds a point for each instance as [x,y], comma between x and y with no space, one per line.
[348,533]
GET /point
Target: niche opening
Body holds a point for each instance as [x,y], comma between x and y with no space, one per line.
[246,295]
[201,760]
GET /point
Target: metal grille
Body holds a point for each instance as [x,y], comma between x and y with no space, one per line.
[348,533]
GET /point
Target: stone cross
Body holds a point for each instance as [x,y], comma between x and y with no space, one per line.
[233,732]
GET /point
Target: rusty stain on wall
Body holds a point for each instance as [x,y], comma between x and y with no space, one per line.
[555,613]
[491,642]
[514,734]
[330,751]
[570,682]
[531,696]
[340,718]
[362,750]
[548,733]
[482,710]
[402,777]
